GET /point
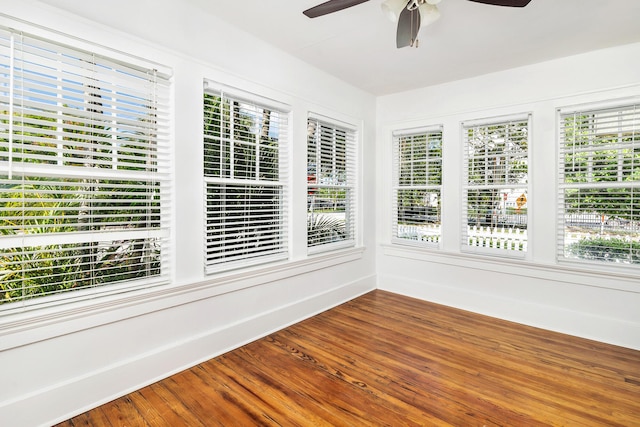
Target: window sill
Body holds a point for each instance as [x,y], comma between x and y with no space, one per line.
[25,328]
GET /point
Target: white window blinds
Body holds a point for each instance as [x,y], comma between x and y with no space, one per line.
[84,174]
[599,185]
[495,186]
[331,184]
[245,175]
[417,191]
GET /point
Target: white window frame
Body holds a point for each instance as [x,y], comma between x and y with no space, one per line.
[420,166]
[499,236]
[613,127]
[228,248]
[45,83]
[333,178]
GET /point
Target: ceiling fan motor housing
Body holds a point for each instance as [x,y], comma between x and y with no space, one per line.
[411,15]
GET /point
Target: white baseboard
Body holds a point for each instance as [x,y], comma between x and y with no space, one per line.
[77,395]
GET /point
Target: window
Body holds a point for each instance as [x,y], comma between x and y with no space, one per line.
[599,185]
[495,186]
[245,176]
[417,169]
[84,174]
[331,180]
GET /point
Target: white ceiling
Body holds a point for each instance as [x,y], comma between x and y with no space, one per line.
[357,44]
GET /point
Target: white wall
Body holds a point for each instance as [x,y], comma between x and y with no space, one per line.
[64,364]
[61,366]
[597,304]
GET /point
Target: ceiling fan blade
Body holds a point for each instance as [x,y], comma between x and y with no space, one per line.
[408,26]
[330,7]
[511,3]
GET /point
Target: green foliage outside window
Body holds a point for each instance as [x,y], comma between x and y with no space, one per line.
[39,205]
[608,250]
[600,176]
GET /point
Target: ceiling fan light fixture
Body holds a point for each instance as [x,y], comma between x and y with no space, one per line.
[410,15]
[429,14]
[393,8]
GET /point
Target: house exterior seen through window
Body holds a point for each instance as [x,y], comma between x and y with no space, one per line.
[495,187]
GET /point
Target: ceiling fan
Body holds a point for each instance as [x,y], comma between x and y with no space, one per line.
[411,15]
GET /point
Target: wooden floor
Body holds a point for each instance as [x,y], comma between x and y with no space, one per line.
[389,360]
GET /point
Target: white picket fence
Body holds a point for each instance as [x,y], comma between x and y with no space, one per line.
[423,233]
[513,239]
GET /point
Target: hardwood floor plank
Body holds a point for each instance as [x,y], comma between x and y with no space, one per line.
[265,398]
[386,359]
[399,392]
[149,412]
[551,359]
[82,420]
[525,376]
[445,386]
[294,401]
[170,409]
[312,385]
[217,390]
